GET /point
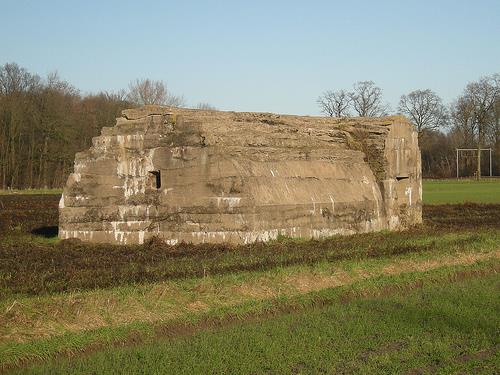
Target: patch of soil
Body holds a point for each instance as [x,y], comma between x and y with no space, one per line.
[29,213]
[74,265]
[462,216]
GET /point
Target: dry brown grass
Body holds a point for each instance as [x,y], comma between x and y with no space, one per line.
[308,282]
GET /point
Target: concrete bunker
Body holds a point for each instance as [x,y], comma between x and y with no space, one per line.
[211,176]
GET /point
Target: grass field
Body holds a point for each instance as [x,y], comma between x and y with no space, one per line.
[419,301]
[437,322]
[32,192]
[460,191]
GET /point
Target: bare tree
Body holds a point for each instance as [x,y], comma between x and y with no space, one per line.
[494,134]
[335,103]
[483,97]
[146,91]
[117,96]
[366,99]
[55,83]
[206,106]
[18,89]
[461,116]
[14,79]
[425,109]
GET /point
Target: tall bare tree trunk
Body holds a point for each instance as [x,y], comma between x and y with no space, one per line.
[31,158]
[45,152]
[478,172]
[40,168]
[3,176]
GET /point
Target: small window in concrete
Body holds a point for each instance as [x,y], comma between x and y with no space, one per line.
[157,175]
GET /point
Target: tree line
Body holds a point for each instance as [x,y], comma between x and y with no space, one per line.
[45,121]
[470,121]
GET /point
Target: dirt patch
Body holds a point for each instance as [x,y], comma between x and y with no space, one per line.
[37,268]
[462,216]
[28,213]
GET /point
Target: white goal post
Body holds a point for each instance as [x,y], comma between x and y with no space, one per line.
[475,149]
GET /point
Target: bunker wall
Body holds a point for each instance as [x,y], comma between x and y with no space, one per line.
[210,176]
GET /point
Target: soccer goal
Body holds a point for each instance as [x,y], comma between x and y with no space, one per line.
[459,150]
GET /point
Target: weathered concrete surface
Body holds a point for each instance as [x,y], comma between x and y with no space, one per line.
[241,177]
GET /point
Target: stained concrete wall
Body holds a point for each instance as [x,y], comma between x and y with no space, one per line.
[241,177]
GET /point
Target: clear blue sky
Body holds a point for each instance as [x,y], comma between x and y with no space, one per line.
[275,56]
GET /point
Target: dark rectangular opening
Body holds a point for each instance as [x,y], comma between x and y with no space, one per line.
[157,175]
[399,178]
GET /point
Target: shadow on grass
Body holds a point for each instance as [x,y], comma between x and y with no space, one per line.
[46,232]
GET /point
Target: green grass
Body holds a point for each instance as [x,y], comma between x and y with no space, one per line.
[460,191]
[218,304]
[43,327]
[31,191]
[426,323]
